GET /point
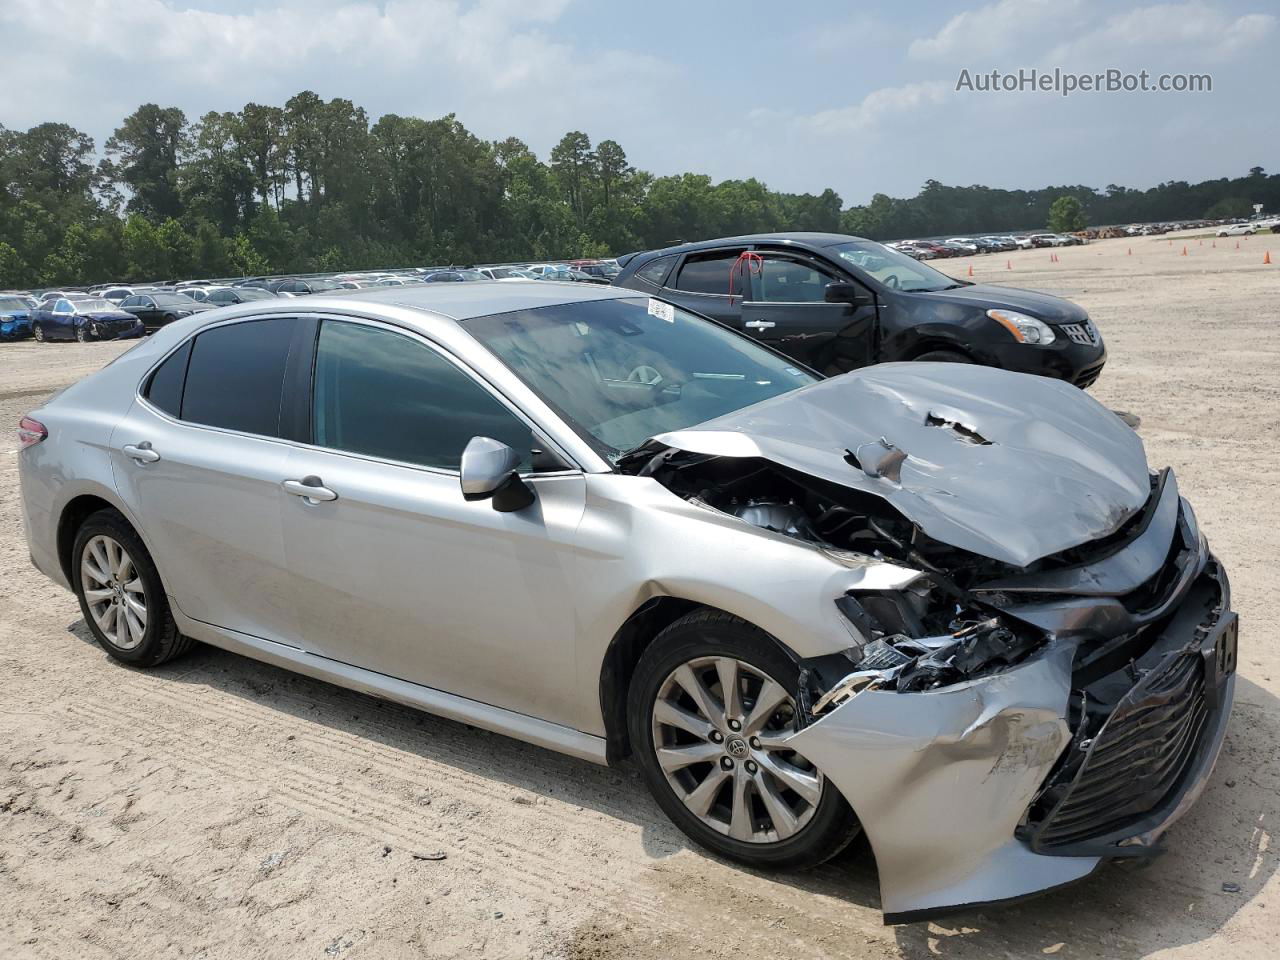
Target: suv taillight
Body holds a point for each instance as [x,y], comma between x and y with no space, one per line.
[30,432]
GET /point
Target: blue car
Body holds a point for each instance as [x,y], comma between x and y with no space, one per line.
[84,319]
[15,318]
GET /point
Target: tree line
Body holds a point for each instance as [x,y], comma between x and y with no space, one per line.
[313,185]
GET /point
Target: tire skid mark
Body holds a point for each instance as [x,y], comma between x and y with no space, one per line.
[301,789]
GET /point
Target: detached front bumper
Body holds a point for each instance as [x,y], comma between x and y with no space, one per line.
[1001,787]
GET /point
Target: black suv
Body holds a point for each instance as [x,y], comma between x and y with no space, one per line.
[837,302]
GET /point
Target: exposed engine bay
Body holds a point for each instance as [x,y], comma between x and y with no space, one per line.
[935,632]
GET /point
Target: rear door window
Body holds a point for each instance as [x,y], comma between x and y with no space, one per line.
[708,273]
[235,377]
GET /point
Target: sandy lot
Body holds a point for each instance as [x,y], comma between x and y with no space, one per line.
[221,808]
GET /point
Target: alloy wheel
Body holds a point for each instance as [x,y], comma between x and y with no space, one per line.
[719,731]
[114,592]
[38,332]
[82,333]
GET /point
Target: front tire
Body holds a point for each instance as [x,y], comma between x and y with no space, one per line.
[82,333]
[37,331]
[944,356]
[710,706]
[120,593]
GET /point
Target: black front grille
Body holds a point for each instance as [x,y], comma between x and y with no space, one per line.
[1137,760]
[1088,376]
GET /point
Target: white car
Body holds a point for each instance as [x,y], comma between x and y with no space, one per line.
[1238,229]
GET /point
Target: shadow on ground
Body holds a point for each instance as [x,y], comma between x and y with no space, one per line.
[1121,911]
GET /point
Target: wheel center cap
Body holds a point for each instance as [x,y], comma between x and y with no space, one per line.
[737,747]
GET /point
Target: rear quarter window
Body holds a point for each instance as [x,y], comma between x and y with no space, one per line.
[656,272]
[164,389]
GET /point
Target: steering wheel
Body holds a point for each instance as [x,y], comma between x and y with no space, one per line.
[891,281]
[645,374]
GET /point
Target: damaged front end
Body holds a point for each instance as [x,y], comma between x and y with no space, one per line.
[1017,713]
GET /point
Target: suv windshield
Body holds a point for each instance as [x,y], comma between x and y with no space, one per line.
[620,371]
[884,262]
[13,303]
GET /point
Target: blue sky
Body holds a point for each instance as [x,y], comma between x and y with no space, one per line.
[804,96]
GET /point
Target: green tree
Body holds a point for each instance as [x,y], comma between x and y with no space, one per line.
[144,152]
[1066,215]
[1229,208]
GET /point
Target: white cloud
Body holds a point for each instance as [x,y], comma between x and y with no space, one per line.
[997,29]
[1194,31]
[885,105]
[494,62]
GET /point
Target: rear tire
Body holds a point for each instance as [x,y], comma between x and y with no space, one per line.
[120,593]
[749,799]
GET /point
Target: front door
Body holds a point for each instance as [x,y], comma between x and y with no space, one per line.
[398,573]
[788,311]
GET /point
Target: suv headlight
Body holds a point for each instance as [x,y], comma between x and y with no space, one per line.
[1025,329]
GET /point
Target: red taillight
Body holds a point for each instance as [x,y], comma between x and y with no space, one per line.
[30,432]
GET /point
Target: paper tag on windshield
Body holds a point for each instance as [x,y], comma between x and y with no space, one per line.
[663,311]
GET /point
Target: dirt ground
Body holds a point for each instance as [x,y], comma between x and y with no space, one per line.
[218,807]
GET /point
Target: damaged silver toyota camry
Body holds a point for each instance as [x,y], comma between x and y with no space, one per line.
[947,605]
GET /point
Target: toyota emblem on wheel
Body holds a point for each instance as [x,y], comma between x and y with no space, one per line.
[737,747]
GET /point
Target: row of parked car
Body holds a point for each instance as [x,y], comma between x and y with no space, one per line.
[122,311]
[969,246]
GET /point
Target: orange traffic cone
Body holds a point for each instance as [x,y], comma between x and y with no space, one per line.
[1008,264]
[1184,249]
[1266,257]
[971,269]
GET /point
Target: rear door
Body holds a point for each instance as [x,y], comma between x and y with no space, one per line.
[787,310]
[199,458]
[700,282]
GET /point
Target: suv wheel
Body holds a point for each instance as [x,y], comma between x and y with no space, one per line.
[710,707]
[37,331]
[120,593]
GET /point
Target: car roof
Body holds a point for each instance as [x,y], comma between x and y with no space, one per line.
[799,238]
[461,301]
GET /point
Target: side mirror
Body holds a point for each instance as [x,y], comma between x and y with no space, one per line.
[845,291]
[489,471]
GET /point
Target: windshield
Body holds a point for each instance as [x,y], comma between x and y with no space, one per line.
[93,306]
[171,299]
[254,293]
[621,371]
[13,303]
[892,268]
[318,286]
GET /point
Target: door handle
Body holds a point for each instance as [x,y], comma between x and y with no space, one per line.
[140,452]
[311,488]
[760,324]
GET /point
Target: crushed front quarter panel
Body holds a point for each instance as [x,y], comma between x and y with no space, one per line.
[1007,465]
[940,780]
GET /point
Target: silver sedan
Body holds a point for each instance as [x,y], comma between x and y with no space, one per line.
[946,605]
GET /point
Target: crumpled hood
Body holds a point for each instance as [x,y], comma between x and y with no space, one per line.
[1008,465]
